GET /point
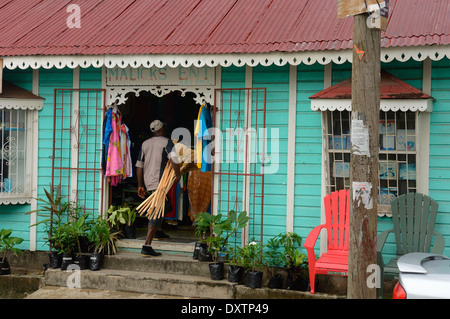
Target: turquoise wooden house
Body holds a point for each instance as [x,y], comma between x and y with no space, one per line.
[257,65]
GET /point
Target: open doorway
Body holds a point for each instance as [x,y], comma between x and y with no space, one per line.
[175,111]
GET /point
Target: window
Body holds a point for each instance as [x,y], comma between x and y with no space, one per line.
[397,156]
[15,181]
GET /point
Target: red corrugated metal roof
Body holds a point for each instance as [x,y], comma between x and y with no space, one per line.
[391,88]
[38,27]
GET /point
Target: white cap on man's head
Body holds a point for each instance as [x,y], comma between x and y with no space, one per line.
[156,125]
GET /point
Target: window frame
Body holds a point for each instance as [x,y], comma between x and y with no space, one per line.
[30,130]
[421,119]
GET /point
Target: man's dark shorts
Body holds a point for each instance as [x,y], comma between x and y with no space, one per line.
[158,222]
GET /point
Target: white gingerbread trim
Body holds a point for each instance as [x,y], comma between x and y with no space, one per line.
[414,105]
[21,104]
[15,200]
[402,54]
[202,94]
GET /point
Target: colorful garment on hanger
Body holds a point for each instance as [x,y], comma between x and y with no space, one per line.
[114,164]
[203,138]
[107,130]
[125,148]
[116,148]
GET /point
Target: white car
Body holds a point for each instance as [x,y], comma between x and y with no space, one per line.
[423,276]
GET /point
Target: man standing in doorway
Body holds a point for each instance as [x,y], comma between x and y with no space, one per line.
[152,159]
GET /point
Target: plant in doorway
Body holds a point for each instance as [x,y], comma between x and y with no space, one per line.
[7,244]
[129,229]
[122,218]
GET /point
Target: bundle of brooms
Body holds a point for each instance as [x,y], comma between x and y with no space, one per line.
[154,205]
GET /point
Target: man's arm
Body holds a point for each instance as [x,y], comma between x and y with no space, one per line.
[140,179]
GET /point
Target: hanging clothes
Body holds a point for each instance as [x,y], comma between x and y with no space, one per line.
[203,138]
[107,129]
[125,147]
[116,147]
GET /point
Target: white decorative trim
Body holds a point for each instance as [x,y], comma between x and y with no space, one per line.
[15,200]
[402,54]
[331,105]
[21,104]
[202,93]
[414,105]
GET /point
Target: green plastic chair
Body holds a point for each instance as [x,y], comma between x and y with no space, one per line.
[413,216]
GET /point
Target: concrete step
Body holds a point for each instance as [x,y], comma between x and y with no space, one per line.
[180,285]
[175,245]
[54,292]
[168,263]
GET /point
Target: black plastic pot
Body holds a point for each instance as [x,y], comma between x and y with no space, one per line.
[235,273]
[67,259]
[82,261]
[203,254]
[96,261]
[300,284]
[198,246]
[84,244]
[4,267]
[254,279]
[216,271]
[276,282]
[55,260]
[129,231]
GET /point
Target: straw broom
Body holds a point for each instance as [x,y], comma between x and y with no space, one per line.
[154,205]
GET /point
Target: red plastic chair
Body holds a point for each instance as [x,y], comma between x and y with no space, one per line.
[335,260]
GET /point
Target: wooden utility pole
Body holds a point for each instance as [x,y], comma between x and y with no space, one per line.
[366,77]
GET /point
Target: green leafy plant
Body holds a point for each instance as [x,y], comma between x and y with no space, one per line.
[116,216]
[201,227]
[252,256]
[129,216]
[101,237]
[220,229]
[7,243]
[54,213]
[294,261]
[274,257]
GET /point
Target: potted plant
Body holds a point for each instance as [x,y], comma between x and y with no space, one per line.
[235,264]
[103,242]
[116,219]
[7,244]
[252,255]
[294,261]
[274,260]
[216,225]
[67,244]
[53,211]
[77,229]
[201,247]
[129,228]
